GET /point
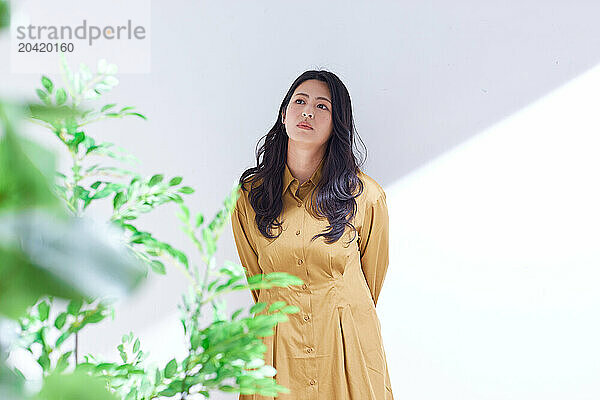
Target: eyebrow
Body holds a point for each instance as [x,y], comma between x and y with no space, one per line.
[322,98]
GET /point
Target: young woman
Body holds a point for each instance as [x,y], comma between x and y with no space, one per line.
[332,232]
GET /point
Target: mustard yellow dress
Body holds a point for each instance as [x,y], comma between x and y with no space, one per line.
[332,348]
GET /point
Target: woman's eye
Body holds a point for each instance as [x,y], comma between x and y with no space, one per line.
[321,104]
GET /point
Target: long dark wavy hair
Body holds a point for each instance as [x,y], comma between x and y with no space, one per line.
[334,196]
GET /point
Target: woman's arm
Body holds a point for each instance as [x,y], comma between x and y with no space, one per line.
[374,245]
[245,244]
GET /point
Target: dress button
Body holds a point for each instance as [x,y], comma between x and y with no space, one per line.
[306,317]
[309,350]
[297,232]
[304,286]
[299,204]
[299,261]
[313,382]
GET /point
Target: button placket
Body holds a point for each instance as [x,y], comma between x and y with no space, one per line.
[307,311]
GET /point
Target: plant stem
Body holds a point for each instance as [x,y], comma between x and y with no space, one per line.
[76,347]
[92,120]
[35,121]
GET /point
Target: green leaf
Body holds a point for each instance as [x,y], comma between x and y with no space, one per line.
[137,114]
[47,83]
[266,331]
[106,107]
[171,369]
[94,318]
[136,345]
[44,361]
[75,386]
[199,220]
[60,320]
[175,181]
[74,307]
[71,125]
[62,338]
[276,306]
[155,179]
[43,96]
[60,97]
[119,200]
[81,193]
[186,211]
[280,317]
[169,392]
[258,307]
[195,339]
[212,284]
[95,185]
[63,362]
[106,367]
[236,313]
[158,267]
[255,278]
[78,138]
[43,310]
[186,190]
[290,309]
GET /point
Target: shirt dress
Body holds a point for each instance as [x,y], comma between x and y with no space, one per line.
[332,348]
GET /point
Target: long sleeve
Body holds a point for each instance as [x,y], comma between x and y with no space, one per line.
[374,245]
[245,245]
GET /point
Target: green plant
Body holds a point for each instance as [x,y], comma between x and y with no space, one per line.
[32,225]
[88,182]
[226,355]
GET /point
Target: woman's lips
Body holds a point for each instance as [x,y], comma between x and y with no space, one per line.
[304,127]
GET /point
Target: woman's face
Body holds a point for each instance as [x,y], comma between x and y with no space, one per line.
[313,98]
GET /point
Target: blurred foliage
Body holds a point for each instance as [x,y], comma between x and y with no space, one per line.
[49,249]
[4,14]
[23,187]
[75,386]
[65,111]
[36,237]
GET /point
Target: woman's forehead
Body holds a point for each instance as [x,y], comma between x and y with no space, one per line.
[313,88]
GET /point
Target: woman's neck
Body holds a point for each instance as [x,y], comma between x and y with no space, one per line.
[303,164]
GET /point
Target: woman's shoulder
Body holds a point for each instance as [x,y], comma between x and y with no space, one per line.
[372,190]
[242,197]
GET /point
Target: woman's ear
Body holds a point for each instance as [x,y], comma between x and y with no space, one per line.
[283,117]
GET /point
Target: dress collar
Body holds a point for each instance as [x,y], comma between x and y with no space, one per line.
[288,177]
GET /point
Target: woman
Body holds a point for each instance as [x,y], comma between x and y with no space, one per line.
[332,224]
